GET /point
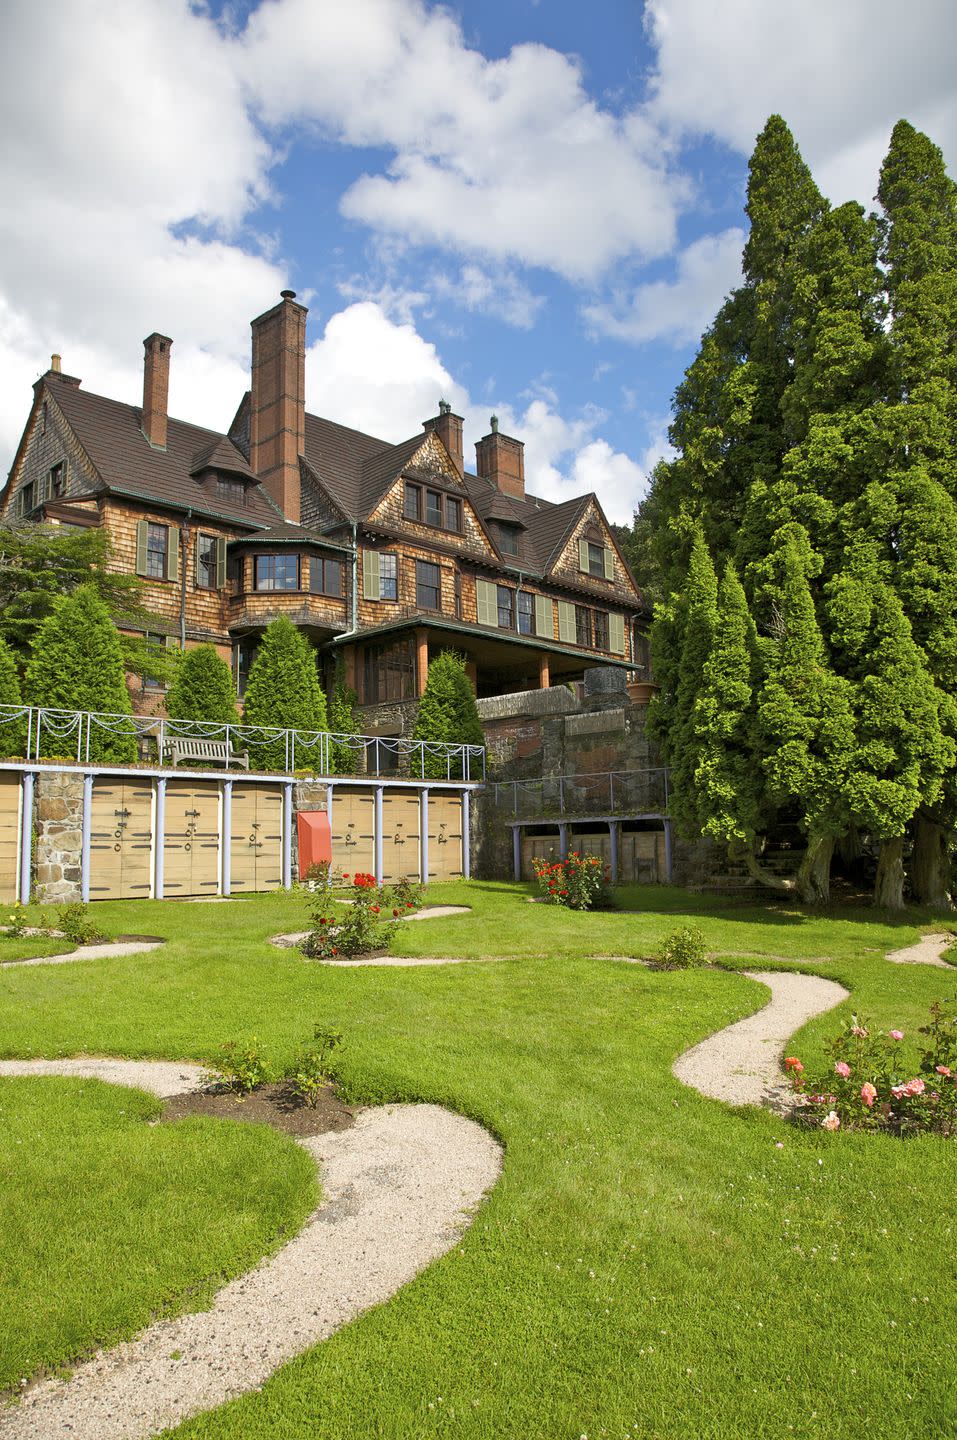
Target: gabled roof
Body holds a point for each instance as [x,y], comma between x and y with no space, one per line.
[111,434]
[221,454]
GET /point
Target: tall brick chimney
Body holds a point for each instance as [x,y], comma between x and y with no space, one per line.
[501,460]
[448,427]
[277,422]
[155,388]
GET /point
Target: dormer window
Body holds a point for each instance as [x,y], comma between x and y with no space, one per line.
[230,489]
[508,538]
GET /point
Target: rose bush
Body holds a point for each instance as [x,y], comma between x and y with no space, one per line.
[578,883]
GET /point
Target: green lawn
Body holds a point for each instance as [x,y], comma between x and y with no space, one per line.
[649,1265]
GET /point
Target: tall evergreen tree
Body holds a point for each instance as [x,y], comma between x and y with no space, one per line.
[283,690]
[12,730]
[76,663]
[202,688]
[682,742]
[342,721]
[447,713]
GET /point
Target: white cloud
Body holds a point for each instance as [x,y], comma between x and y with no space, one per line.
[676,310]
[499,294]
[508,159]
[840,74]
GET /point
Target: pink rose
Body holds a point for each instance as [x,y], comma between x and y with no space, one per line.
[897,1091]
[944,1070]
[914,1087]
[868,1093]
[842,1068]
[896,1034]
[859,1031]
[831,1121]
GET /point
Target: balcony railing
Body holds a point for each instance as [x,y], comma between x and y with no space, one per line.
[607,792]
[31,733]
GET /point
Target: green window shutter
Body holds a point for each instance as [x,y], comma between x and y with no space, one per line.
[142,529]
[370,575]
[197,547]
[486,603]
[616,634]
[608,557]
[543,617]
[583,555]
[566,622]
[220,563]
[172,552]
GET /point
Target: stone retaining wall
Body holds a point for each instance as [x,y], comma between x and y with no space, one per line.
[58,822]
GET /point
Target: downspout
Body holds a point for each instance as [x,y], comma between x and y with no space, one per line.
[184,554]
[354,615]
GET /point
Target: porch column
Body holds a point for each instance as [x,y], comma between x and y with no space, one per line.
[159,830]
[668,851]
[378,835]
[26,837]
[85,838]
[227,846]
[544,674]
[424,835]
[466,835]
[421,660]
[287,837]
[563,841]
[613,846]
[517,851]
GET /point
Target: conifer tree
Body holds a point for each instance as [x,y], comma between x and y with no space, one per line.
[76,663]
[202,688]
[283,690]
[447,713]
[682,742]
[342,721]
[12,731]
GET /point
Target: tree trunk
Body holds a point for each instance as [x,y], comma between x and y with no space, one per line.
[930,864]
[889,884]
[761,873]
[814,872]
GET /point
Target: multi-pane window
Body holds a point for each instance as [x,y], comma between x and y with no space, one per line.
[453,514]
[157,645]
[388,672]
[526,612]
[388,576]
[600,622]
[237,572]
[157,551]
[582,625]
[596,559]
[412,506]
[433,507]
[276,572]
[56,479]
[507,538]
[506,607]
[206,575]
[325,575]
[427,585]
[230,489]
[26,498]
[243,657]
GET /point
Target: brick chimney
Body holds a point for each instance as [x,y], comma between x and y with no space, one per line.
[277,422]
[448,427]
[501,460]
[156,388]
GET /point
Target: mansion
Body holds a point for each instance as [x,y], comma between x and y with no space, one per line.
[383,554]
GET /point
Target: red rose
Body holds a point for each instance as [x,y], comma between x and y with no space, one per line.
[374,909]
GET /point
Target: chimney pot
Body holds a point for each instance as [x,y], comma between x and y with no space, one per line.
[288,294]
[156,350]
[55,364]
[448,428]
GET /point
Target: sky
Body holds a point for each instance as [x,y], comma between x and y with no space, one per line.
[531,208]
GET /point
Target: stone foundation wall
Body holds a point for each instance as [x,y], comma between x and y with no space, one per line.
[58,825]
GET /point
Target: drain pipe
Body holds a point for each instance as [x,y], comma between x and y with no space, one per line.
[184,555]
[354,615]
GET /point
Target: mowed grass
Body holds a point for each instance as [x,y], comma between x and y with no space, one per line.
[650,1263]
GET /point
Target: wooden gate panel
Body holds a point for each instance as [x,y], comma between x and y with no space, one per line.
[445,836]
[641,857]
[10,791]
[353,831]
[256,838]
[538,847]
[401,831]
[191,864]
[121,840]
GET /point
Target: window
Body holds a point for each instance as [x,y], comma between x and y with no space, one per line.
[237,572]
[230,489]
[207,569]
[388,672]
[433,507]
[596,559]
[157,551]
[325,575]
[453,514]
[243,656]
[507,538]
[427,586]
[526,612]
[157,645]
[506,607]
[582,625]
[57,479]
[26,498]
[600,621]
[412,507]
[388,576]
[276,572]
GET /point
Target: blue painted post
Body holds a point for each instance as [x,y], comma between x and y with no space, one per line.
[517,851]
[227,846]
[159,831]
[563,841]
[26,838]
[466,835]
[85,838]
[378,834]
[668,851]
[424,834]
[613,842]
[287,837]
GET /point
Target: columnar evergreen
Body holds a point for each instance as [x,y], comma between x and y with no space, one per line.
[202,688]
[447,713]
[283,690]
[12,732]
[342,721]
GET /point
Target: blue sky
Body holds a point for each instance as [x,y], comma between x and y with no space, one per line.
[531,208]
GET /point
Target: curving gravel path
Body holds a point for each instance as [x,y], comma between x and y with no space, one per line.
[399,1188]
[927,951]
[741,1064]
[90,952]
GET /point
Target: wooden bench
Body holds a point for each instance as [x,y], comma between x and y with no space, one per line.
[187,747]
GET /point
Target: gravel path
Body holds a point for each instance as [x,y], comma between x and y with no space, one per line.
[399,1188]
[90,952]
[160,1077]
[742,1063]
[927,951]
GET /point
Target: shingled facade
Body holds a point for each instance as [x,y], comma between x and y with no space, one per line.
[383,554]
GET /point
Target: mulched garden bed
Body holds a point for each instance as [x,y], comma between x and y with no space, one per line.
[276,1104]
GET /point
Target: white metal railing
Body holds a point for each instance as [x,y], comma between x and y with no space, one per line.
[602,792]
[33,732]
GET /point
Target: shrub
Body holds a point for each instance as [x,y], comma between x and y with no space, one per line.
[312,1071]
[17,920]
[77,924]
[283,691]
[868,1086]
[13,732]
[404,895]
[682,949]
[242,1067]
[361,931]
[578,883]
[342,721]
[447,713]
[202,688]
